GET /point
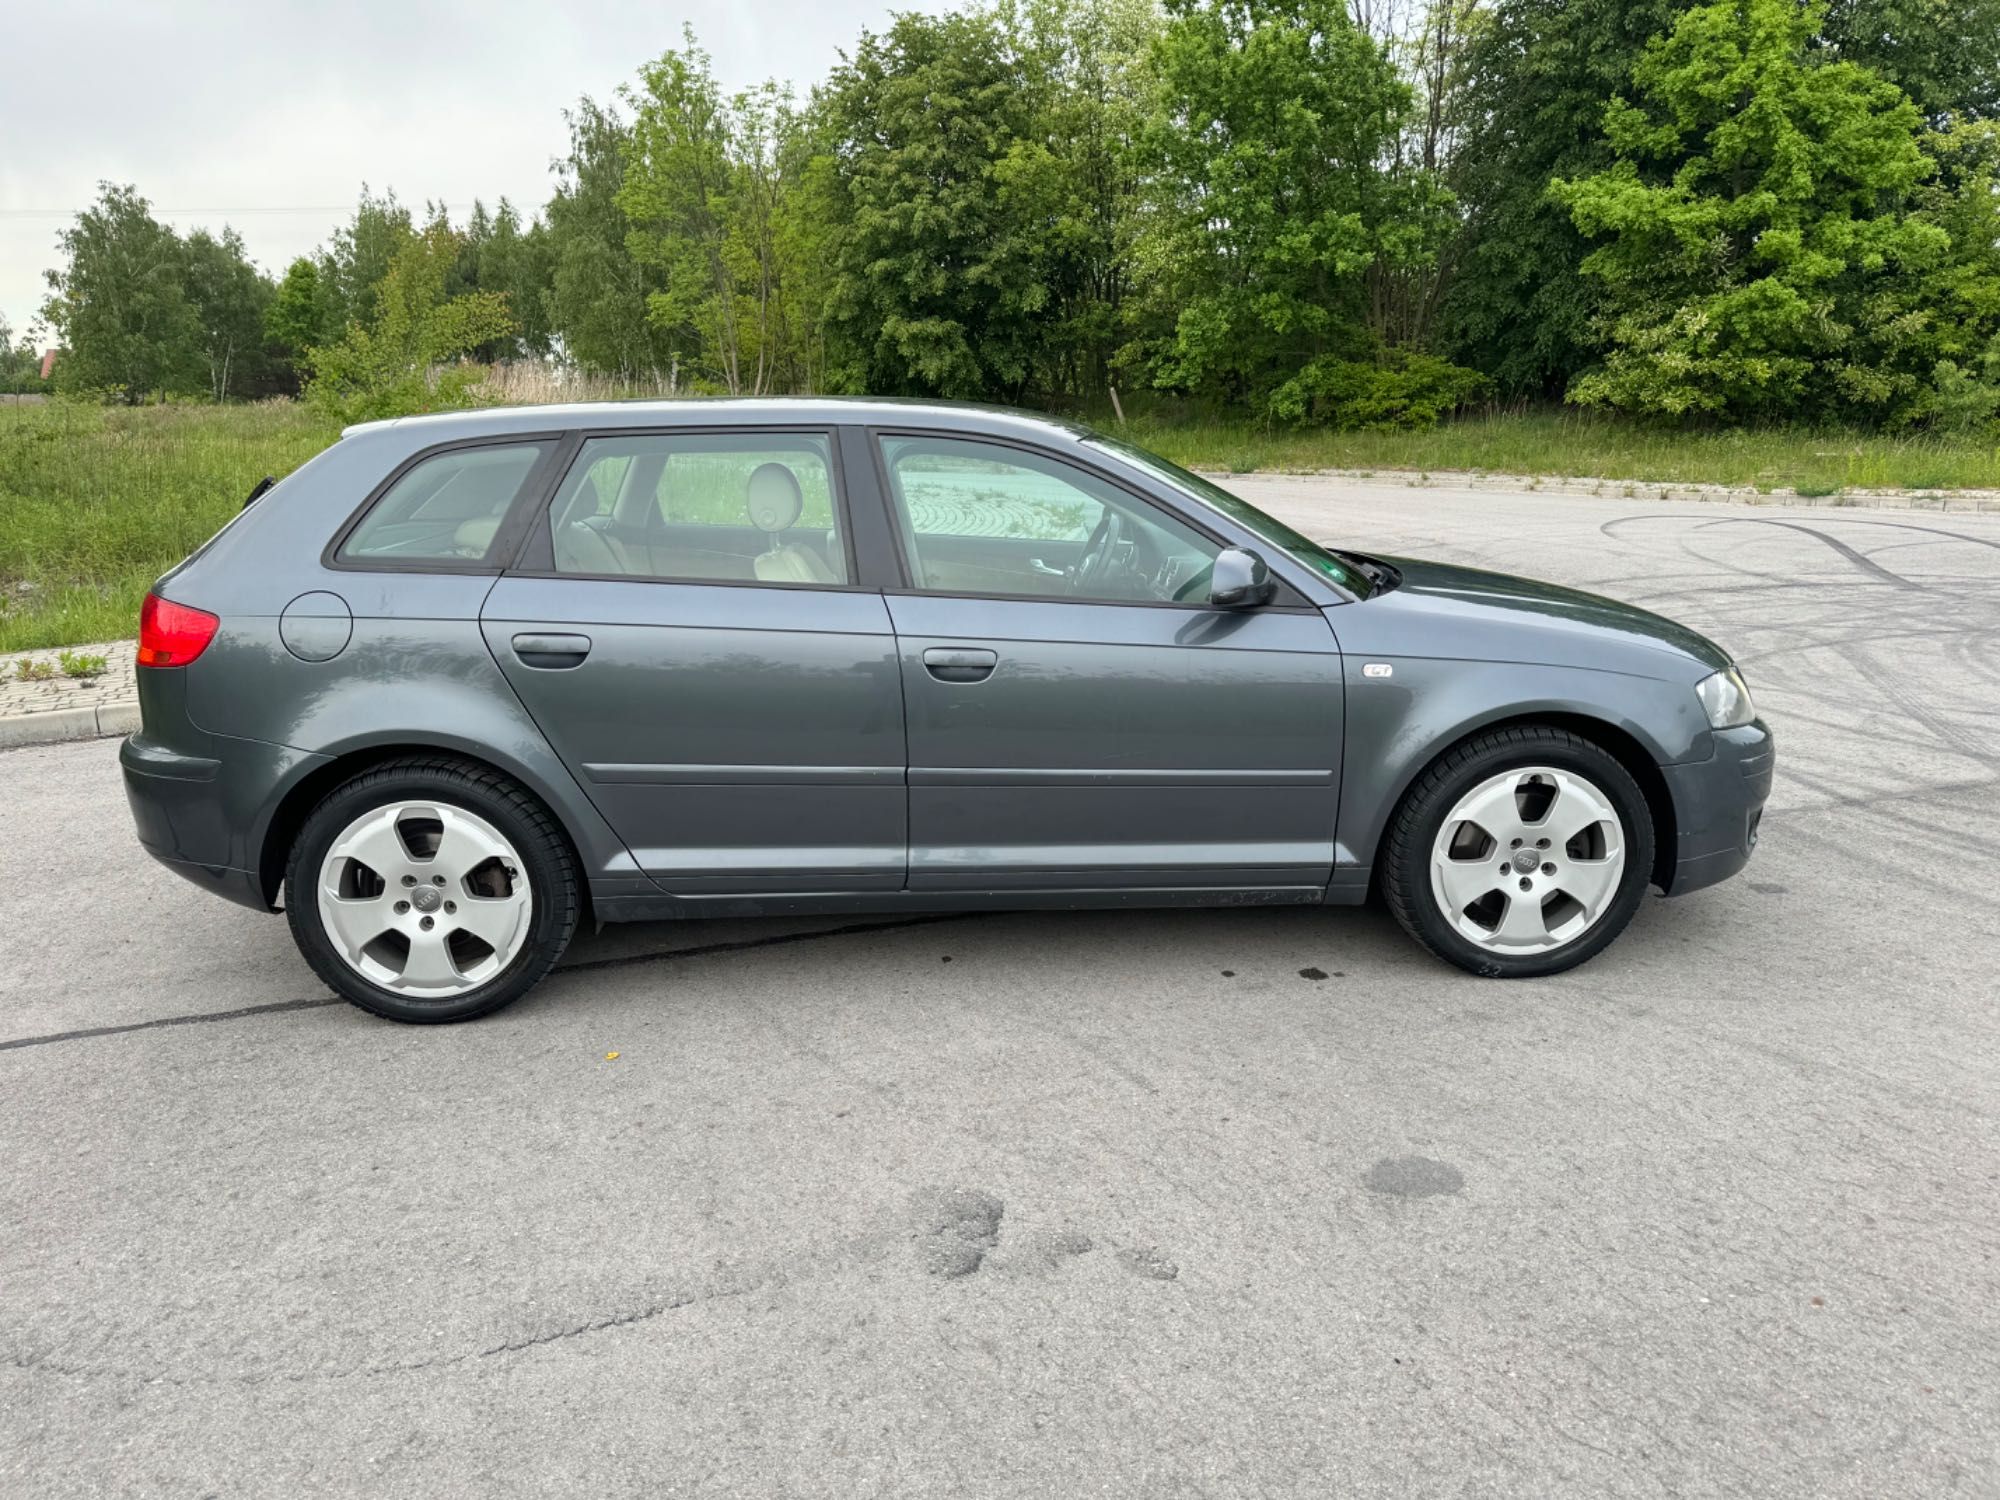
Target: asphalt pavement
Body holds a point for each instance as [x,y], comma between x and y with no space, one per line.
[1223,1203]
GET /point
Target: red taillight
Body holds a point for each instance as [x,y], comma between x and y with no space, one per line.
[172,635]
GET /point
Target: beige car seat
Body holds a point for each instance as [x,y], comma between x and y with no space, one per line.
[581,547]
[775,502]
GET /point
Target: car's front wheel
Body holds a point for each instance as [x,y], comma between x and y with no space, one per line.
[1520,852]
[431,890]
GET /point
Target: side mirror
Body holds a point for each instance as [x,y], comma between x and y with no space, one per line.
[1239,580]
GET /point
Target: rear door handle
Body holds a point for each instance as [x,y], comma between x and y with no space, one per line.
[551,651]
[960,664]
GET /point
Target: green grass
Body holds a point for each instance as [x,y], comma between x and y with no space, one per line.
[96,503]
[1574,445]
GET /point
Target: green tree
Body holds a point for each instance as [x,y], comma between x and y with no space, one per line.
[595,297]
[932,291]
[405,360]
[20,363]
[1940,332]
[1071,184]
[676,194]
[119,304]
[301,316]
[1757,212]
[512,262]
[1518,306]
[1278,210]
[707,188]
[358,259]
[1945,54]
[230,297]
[1538,76]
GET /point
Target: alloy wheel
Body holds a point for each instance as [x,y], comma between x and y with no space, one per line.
[1528,860]
[424,899]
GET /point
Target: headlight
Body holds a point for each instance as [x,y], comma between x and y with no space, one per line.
[1726,697]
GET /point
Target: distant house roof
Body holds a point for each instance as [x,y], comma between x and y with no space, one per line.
[48,362]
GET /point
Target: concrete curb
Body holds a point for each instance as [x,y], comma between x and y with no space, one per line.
[53,726]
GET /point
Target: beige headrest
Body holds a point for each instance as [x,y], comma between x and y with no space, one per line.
[773,497]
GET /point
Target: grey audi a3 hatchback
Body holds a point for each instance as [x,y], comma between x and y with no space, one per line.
[464,681]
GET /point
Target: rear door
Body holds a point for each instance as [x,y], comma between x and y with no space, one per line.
[1078,717]
[685,630]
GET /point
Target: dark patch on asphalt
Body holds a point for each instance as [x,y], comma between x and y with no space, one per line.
[1066,1242]
[1148,1262]
[1312,974]
[1413,1177]
[954,1228]
[1228,973]
[1769,888]
[1040,1253]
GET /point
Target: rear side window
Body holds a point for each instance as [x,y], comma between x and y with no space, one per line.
[447,508]
[750,507]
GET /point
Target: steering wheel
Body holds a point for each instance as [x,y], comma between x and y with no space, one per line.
[1098,552]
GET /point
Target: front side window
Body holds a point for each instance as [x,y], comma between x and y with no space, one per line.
[446,508]
[754,507]
[985,518]
[1243,513]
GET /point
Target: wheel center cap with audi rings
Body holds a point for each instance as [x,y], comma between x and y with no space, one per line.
[1524,862]
[426,898]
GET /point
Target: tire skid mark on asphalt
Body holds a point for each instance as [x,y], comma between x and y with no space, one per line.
[1956,536]
[1829,643]
[1974,748]
[1686,545]
[1837,846]
[589,965]
[1853,555]
[1839,801]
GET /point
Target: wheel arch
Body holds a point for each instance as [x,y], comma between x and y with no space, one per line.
[1618,742]
[295,804]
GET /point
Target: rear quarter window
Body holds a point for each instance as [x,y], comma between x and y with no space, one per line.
[446,509]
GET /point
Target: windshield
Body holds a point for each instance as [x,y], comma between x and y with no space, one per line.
[1243,513]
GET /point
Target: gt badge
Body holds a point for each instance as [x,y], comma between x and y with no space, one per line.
[1377,669]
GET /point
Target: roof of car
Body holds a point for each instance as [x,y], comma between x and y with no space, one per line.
[732,411]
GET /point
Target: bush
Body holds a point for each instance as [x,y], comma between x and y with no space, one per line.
[1402,389]
[407,362]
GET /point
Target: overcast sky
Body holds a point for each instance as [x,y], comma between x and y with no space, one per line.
[269,116]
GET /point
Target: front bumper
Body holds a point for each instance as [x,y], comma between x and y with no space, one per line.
[1718,806]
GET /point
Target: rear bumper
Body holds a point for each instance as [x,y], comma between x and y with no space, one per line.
[178,812]
[1719,805]
[201,803]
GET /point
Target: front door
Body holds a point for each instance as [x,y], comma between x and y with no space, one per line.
[1077,717]
[686,633]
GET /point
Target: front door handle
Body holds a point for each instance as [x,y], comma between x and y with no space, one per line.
[551,651]
[960,664]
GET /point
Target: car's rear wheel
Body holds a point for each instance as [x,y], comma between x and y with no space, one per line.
[1520,852]
[431,890]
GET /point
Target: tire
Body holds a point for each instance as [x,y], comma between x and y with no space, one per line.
[1430,865]
[465,929]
